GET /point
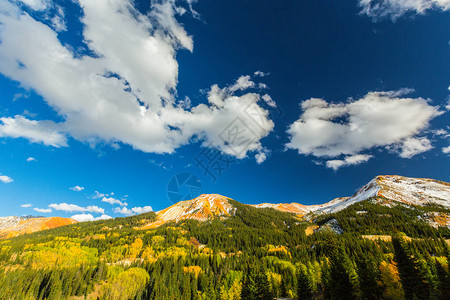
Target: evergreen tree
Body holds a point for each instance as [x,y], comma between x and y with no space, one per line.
[413,279]
[303,284]
[368,278]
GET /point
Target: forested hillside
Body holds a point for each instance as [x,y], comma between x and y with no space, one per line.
[257,253]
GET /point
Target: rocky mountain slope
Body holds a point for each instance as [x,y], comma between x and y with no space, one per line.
[201,208]
[410,191]
[14,226]
[391,188]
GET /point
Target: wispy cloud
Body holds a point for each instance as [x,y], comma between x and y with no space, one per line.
[5,179]
[114,201]
[30,159]
[74,208]
[77,188]
[43,210]
[28,205]
[394,9]
[357,159]
[89,217]
[133,211]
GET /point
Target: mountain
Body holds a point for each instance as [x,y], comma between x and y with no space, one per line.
[387,189]
[14,226]
[202,208]
[390,240]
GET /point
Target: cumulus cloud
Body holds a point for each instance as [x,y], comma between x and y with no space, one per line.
[243,83]
[446,150]
[379,119]
[357,159]
[133,211]
[43,210]
[131,79]
[89,217]
[5,179]
[27,205]
[29,159]
[113,201]
[378,9]
[77,188]
[73,208]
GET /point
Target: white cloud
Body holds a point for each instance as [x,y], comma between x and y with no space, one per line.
[29,159]
[260,73]
[348,161]
[89,217]
[36,4]
[131,79]
[72,208]
[36,131]
[5,179]
[28,205]
[133,211]
[43,210]
[97,195]
[379,119]
[261,156]
[446,150]
[113,201]
[77,188]
[377,9]
[413,146]
[243,83]
[269,100]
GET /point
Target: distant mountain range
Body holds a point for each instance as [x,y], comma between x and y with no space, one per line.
[385,190]
[389,188]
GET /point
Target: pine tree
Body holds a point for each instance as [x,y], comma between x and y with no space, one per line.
[412,275]
[303,284]
[368,277]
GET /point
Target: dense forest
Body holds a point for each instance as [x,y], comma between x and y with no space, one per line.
[384,252]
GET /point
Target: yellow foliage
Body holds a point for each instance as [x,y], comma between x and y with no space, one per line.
[135,248]
[279,249]
[157,239]
[193,270]
[126,285]
[274,280]
[148,253]
[207,250]
[391,281]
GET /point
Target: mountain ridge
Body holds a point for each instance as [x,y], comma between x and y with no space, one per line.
[406,190]
[390,188]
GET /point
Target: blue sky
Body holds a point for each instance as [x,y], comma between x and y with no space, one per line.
[103,102]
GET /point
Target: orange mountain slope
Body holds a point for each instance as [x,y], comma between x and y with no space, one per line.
[201,208]
[14,226]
